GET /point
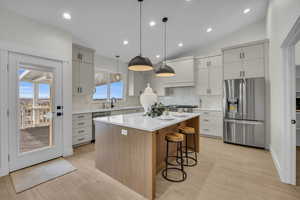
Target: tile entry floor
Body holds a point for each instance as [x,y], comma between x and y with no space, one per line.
[224,172]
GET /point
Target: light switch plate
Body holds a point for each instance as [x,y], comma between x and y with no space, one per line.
[124,132]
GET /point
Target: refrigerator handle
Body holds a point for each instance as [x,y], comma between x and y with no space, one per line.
[244,122]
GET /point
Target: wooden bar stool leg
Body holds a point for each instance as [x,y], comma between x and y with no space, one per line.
[186,150]
[195,148]
[167,156]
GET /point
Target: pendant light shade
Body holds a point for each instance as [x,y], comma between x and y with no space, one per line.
[164,70]
[140,63]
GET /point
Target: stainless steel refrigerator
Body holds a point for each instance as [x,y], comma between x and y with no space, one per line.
[244,112]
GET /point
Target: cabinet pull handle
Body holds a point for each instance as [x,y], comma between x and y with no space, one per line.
[82,123]
[80,139]
[81,131]
[240,55]
[243,54]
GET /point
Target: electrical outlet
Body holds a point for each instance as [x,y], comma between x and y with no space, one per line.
[124,132]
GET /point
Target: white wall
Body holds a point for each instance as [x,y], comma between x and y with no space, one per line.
[252,32]
[281,16]
[23,35]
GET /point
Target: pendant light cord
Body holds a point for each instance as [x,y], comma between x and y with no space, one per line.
[140,27]
[165,19]
[165,42]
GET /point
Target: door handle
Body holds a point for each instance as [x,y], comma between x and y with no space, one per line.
[59,114]
[293,121]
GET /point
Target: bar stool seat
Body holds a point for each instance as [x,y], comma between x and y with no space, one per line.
[177,138]
[186,130]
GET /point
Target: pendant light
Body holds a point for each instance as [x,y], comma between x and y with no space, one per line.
[164,70]
[140,63]
[118,75]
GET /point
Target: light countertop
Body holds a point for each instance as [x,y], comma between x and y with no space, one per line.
[106,109]
[139,121]
[208,109]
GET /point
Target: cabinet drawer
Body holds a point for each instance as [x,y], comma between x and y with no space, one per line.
[85,116]
[82,123]
[82,131]
[81,139]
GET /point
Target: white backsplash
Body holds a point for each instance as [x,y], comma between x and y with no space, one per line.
[86,102]
[187,96]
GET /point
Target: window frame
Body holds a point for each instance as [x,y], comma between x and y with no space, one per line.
[108,73]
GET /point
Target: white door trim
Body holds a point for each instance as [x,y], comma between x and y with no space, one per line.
[288,136]
[17,160]
[3,114]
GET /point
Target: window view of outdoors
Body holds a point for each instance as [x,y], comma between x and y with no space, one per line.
[108,85]
[34,109]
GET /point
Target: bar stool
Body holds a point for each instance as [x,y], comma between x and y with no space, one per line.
[176,138]
[189,150]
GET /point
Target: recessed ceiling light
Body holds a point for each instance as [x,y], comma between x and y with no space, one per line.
[152,23]
[67,15]
[209,30]
[246,10]
[188,0]
[180,44]
[125,42]
[157,56]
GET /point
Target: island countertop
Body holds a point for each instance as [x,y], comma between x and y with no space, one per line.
[145,123]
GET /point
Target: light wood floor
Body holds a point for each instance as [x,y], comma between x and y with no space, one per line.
[224,172]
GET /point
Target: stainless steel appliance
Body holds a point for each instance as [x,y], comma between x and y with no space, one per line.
[95,115]
[244,112]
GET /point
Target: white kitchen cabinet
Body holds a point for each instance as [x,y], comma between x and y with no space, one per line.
[83,71]
[82,128]
[184,69]
[246,61]
[136,83]
[211,123]
[202,81]
[209,76]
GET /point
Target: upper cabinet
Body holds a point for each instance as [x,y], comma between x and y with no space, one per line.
[209,76]
[83,70]
[245,61]
[184,69]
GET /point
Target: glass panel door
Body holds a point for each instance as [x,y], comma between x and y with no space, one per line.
[35,109]
[35,105]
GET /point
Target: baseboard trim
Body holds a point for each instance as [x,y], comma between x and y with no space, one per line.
[68,152]
[276,163]
[3,172]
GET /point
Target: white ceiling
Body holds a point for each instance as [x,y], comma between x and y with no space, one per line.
[104,24]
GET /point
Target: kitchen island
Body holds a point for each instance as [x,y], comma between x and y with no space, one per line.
[131,148]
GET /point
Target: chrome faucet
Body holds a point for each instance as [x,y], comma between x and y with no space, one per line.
[113,101]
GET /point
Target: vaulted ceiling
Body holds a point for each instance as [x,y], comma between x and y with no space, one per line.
[105,24]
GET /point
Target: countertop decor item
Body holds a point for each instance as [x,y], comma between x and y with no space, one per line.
[156,110]
[148,98]
[164,70]
[140,63]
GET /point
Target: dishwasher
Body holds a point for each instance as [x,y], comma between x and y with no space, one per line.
[95,115]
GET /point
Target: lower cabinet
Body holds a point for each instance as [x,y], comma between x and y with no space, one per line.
[211,123]
[82,128]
